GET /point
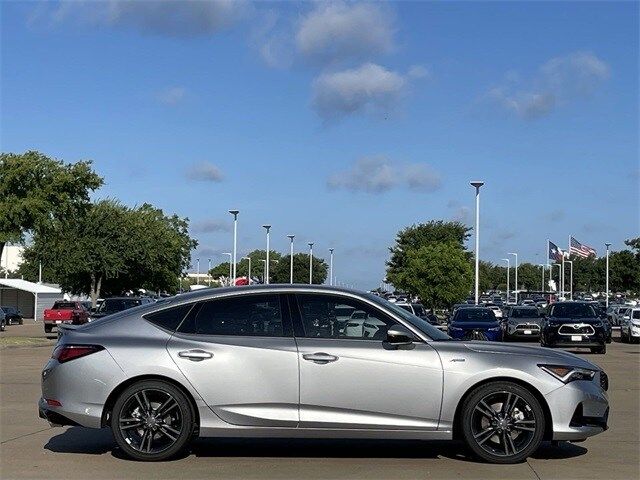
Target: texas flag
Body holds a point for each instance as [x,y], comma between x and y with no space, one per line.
[555,253]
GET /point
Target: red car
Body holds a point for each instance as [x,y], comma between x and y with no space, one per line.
[69,312]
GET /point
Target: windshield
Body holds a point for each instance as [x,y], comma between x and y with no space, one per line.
[474,315]
[524,313]
[572,310]
[112,305]
[417,322]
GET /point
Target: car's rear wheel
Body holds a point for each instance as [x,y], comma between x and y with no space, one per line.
[152,420]
[502,422]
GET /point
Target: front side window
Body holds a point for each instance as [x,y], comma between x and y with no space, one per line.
[246,315]
[321,318]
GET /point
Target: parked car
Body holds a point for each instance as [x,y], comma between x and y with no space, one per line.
[3,320]
[574,324]
[622,314]
[117,304]
[12,315]
[630,329]
[419,311]
[164,373]
[477,323]
[528,302]
[497,311]
[65,312]
[602,315]
[523,322]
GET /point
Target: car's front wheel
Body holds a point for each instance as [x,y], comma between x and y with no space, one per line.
[152,421]
[502,422]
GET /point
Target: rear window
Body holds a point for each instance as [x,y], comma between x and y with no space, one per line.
[169,318]
[64,306]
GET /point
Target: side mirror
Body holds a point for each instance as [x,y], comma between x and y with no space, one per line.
[399,335]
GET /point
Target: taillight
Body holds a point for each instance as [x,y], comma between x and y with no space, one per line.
[65,353]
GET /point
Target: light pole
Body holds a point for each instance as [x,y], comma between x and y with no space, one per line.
[248,271]
[230,268]
[235,242]
[264,270]
[291,237]
[570,262]
[516,289]
[551,275]
[477,184]
[198,271]
[331,266]
[209,272]
[607,275]
[310,262]
[508,267]
[542,265]
[267,228]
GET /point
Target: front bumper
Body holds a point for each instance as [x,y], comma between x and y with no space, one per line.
[579,409]
[552,338]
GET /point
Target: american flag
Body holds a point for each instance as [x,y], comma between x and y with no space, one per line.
[581,250]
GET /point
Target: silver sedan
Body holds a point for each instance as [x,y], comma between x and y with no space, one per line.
[274,361]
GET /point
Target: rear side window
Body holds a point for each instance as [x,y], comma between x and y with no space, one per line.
[246,315]
[169,318]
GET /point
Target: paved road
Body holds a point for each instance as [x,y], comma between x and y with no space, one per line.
[30,449]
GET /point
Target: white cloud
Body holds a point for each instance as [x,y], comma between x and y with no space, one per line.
[369,88]
[205,172]
[171,96]
[339,31]
[174,18]
[379,174]
[557,82]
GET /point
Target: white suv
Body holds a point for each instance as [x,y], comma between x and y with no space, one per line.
[630,326]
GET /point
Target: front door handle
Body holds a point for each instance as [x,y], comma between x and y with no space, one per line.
[320,358]
[195,355]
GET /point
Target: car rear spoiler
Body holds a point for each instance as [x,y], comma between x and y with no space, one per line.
[65,326]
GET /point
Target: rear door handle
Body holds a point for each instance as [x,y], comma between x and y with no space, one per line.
[195,355]
[319,358]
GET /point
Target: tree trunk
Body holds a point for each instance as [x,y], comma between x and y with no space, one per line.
[96,284]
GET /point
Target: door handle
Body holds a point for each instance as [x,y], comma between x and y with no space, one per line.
[195,355]
[320,358]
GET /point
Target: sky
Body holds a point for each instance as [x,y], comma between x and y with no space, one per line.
[338,122]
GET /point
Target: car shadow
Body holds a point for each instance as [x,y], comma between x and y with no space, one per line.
[80,440]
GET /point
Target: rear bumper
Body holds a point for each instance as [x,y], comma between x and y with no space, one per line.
[55,419]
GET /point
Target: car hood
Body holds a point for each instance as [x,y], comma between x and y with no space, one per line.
[574,320]
[475,325]
[546,355]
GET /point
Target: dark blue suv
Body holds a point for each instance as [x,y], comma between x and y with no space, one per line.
[475,323]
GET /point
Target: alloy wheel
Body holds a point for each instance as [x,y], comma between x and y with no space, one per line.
[151,421]
[503,424]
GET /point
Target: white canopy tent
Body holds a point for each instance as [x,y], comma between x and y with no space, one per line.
[29,297]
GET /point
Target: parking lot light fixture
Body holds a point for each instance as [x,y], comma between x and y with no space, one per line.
[331,267]
[230,268]
[516,289]
[235,243]
[267,228]
[198,271]
[477,184]
[291,237]
[310,262]
[508,268]
[607,276]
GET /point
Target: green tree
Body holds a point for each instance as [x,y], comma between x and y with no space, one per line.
[417,236]
[36,190]
[112,249]
[282,274]
[439,273]
[242,269]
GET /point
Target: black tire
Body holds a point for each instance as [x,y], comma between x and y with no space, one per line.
[600,350]
[22,321]
[524,419]
[172,432]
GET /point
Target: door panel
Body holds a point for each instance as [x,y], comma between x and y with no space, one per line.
[369,386]
[238,352]
[247,381]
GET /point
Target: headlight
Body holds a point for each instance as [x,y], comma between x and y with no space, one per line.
[495,329]
[568,374]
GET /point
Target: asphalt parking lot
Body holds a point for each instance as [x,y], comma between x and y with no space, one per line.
[31,449]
